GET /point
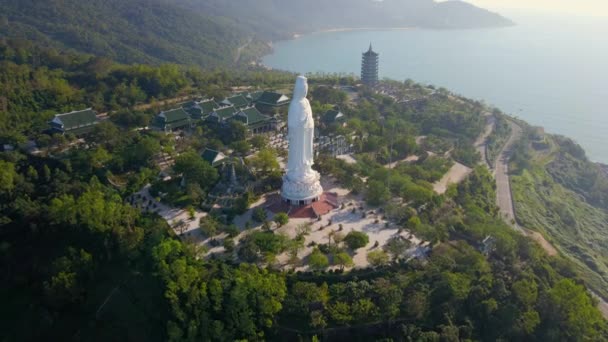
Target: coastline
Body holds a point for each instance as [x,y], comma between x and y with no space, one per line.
[270,43]
[349,29]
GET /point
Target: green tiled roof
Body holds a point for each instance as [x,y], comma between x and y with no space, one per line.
[255,95]
[174,115]
[212,156]
[188,104]
[272,98]
[172,119]
[251,116]
[208,106]
[199,109]
[239,101]
[195,112]
[225,112]
[333,115]
[74,120]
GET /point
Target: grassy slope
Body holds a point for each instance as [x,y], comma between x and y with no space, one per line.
[578,229]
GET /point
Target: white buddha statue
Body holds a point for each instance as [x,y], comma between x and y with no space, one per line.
[301,132]
[301,183]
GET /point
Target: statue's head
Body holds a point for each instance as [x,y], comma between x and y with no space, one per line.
[301,88]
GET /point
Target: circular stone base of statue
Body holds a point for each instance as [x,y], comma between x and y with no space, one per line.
[302,191]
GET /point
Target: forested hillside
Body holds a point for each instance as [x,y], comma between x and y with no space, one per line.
[560,193]
[209,32]
[39,82]
[78,261]
[142,31]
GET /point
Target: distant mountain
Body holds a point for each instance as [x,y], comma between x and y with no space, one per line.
[209,32]
[143,31]
[277,18]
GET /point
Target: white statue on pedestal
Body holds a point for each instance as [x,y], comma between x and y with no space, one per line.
[301,184]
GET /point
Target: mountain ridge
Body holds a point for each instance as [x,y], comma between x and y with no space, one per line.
[209,32]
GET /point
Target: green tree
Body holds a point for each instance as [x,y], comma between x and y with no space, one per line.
[259,141]
[343,260]
[281,219]
[526,292]
[340,312]
[265,161]
[8,176]
[241,147]
[364,310]
[355,240]
[303,294]
[377,258]
[209,226]
[237,131]
[377,193]
[397,246]
[317,260]
[573,310]
[528,321]
[259,214]
[141,153]
[195,170]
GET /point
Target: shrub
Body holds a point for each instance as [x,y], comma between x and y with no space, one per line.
[343,260]
[259,214]
[229,245]
[281,219]
[355,240]
[231,230]
[317,260]
[377,258]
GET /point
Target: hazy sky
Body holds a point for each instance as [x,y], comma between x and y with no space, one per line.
[593,7]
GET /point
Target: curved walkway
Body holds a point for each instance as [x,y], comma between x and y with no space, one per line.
[504,197]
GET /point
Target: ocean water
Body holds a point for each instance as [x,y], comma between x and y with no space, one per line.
[549,70]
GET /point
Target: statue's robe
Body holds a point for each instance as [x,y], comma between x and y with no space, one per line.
[301,133]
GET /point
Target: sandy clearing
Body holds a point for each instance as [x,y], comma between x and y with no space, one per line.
[348,158]
[173,216]
[536,236]
[374,225]
[409,159]
[456,174]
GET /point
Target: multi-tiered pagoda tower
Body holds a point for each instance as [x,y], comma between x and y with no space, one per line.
[369,67]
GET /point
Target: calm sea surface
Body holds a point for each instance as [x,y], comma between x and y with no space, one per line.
[548,70]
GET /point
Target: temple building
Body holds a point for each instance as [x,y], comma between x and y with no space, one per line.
[333,116]
[255,121]
[270,102]
[369,67]
[213,157]
[238,101]
[172,120]
[200,109]
[77,122]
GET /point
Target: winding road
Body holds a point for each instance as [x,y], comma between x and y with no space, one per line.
[504,197]
[481,144]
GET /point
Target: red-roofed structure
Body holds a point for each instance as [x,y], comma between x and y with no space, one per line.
[327,202]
